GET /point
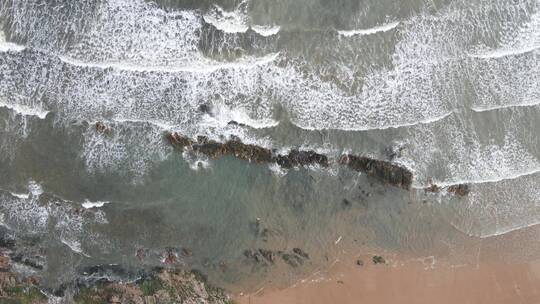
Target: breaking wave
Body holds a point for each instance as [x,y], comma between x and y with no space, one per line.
[25,110]
[378,29]
[9,46]
[195,67]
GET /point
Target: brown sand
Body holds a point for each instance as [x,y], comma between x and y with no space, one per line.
[413,283]
[506,270]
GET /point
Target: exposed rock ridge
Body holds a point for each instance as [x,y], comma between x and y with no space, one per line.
[385,171]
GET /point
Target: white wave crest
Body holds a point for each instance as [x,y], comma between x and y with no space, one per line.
[525,40]
[204,66]
[90,205]
[494,179]
[499,53]
[9,46]
[266,30]
[223,115]
[378,29]
[504,106]
[157,123]
[228,22]
[25,110]
[497,208]
[390,126]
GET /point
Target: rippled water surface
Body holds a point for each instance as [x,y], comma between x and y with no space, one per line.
[452,86]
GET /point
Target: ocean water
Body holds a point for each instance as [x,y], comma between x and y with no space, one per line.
[452,85]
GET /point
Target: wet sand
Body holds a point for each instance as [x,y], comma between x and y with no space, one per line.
[413,283]
[501,272]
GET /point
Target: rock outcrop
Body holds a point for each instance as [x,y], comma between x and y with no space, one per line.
[163,286]
[235,147]
[100,283]
[16,289]
[384,171]
[459,189]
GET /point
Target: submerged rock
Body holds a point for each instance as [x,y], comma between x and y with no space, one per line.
[301,253]
[382,170]
[268,255]
[292,260]
[186,252]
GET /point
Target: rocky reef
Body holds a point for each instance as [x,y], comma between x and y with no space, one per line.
[235,147]
[382,170]
[458,189]
[156,286]
[385,171]
[162,286]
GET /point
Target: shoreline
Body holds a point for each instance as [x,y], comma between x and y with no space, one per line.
[410,282]
[488,271]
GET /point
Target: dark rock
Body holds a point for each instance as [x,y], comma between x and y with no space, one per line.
[223,266]
[5,264]
[378,260]
[105,271]
[178,141]
[29,259]
[235,123]
[301,253]
[292,260]
[254,256]
[268,255]
[7,241]
[141,254]
[359,262]
[186,252]
[102,128]
[170,257]
[260,256]
[160,286]
[258,230]
[433,189]
[394,152]
[204,108]
[385,171]
[201,140]
[235,147]
[461,190]
[248,152]
[297,158]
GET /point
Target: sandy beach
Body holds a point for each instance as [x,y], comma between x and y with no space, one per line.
[414,283]
[494,275]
